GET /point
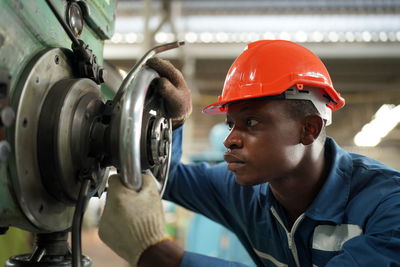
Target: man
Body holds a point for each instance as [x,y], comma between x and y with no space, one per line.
[292,195]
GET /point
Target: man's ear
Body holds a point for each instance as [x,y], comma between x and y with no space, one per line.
[312,128]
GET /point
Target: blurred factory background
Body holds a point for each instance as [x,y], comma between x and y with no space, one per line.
[358,40]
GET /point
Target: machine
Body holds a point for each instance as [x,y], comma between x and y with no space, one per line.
[63,127]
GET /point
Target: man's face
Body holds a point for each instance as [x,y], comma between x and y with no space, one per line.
[264,143]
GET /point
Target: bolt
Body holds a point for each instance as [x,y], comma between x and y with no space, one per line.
[166,148]
[167,135]
[102,74]
[57,59]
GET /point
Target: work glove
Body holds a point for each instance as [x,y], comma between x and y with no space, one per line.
[172,87]
[132,221]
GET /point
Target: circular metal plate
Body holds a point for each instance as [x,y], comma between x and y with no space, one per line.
[42,210]
[135,122]
[65,123]
[156,139]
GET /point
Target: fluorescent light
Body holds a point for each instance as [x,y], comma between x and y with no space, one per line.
[333,37]
[161,37]
[206,37]
[317,36]
[284,36]
[366,36]
[385,119]
[301,36]
[222,37]
[269,36]
[131,37]
[350,37]
[117,38]
[383,36]
[191,37]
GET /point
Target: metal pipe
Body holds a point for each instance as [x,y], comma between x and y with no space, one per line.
[132,73]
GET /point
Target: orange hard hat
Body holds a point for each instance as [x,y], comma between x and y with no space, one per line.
[269,68]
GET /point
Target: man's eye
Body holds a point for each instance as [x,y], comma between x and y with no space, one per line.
[230,125]
[251,122]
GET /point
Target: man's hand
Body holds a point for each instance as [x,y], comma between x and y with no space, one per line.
[132,221]
[172,87]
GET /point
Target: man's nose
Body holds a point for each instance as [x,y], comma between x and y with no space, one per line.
[233,140]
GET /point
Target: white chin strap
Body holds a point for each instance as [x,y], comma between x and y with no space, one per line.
[316,96]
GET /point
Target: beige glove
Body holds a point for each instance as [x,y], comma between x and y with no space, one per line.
[172,87]
[132,221]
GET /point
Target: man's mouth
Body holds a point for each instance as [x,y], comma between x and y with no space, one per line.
[234,161]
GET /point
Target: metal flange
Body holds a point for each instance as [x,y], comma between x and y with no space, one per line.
[55,112]
[43,211]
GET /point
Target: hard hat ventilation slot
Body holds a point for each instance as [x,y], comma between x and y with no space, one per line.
[329,98]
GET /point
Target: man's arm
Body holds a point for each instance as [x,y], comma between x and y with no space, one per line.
[380,244]
[165,253]
[168,254]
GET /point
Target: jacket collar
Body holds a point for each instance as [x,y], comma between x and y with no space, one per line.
[329,205]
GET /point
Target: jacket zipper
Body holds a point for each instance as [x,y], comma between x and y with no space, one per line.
[290,235]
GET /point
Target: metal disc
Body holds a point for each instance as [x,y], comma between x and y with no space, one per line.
[156,138]
[65,123]
[44,213]
[139,145]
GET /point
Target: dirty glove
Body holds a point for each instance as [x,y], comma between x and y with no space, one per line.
[173,89]
[132,221]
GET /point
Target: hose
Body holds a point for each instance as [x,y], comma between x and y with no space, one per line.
[77,224]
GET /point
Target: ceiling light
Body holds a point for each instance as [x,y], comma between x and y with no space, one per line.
[222,37]
[385,119]
[350,37]
[317,36]
[333,37]
[161,37]
[284,36]
[191,37]
[383,36]
[300,37]
[206,37]
[131,38]
[117,38]
[269,36]
[366,36]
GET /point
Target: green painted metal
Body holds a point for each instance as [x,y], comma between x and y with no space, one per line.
[27,27]
[100,17]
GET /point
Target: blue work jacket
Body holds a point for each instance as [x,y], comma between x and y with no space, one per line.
[353,221]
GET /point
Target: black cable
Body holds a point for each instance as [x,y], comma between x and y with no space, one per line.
[77,224]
